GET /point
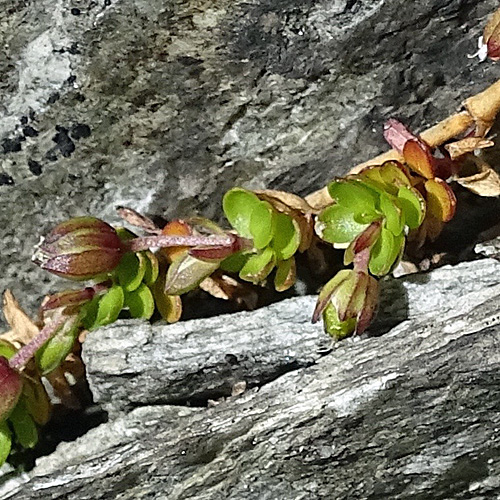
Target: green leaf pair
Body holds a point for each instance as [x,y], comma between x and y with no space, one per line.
[136,273]
[276,237]
[372,210]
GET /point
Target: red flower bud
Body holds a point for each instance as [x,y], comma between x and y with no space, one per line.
[10,388]
[79,249]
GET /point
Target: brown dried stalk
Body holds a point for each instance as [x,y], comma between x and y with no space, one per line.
[480,110]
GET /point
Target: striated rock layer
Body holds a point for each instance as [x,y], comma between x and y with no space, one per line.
[413,413]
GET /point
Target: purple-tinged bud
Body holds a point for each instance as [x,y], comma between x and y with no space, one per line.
[11,387]
[80,249]
[348,303]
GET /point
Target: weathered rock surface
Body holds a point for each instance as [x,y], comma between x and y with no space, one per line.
[165,105]
[134,363]
[413,413]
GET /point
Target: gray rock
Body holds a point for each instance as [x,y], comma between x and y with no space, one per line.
[165,105]
[410,414]
[134,363]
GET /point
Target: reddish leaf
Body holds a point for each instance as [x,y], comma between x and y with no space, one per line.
[419,158]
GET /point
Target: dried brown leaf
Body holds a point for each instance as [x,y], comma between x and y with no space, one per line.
[62,389]
[23,328]
[225,287]
[467,145]
[491,26]
[486,182]
[484,107]
[491,36]
[138,220]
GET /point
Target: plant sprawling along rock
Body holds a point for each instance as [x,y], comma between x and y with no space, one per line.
[372,214]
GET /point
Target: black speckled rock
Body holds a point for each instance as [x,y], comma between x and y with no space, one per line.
[164,105]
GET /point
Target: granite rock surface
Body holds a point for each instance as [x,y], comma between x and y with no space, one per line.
[163,106]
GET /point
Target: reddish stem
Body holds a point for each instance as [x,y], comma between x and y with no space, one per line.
[164,241]
[397,135]
[361,260]
[21,358]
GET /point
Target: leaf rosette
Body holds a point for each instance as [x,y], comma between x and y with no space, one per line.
[373,209]
[279,224]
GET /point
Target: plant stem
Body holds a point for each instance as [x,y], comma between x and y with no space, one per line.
[21,358]
[164,241]
[361,260]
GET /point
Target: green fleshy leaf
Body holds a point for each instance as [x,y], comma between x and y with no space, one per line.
[363,241]
[286,238]
[235,262]
[24,428]
[140,302]
[152,268]
[7,350]
[131,270]
[5,442]
[261,226]
[413,205]
[353,195]
[169,306]
[238,205]
[328,290]
[55,350]
[186,273]
[285,274]
[336,328]
[37,401]
[125,234]
[338,225]
[395,221]
[109,307]
[372,179]
[89,312]
[385,252]
[258,266]
[393,177]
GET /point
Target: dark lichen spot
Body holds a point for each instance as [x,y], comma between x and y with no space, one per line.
[107,3]
[80,131]
[73,49]
[12,145]
[35,167]
[63,141]
[51,154]
[75,11]
[24,120]
[79,97]
[71,80]
[29,131]
[231,359]
[53,98]
[6,180]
